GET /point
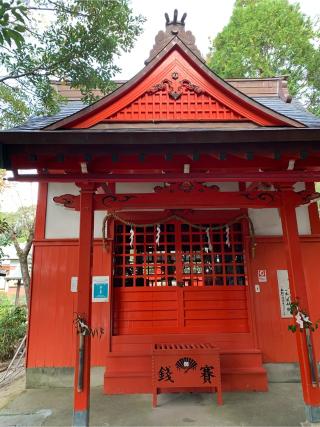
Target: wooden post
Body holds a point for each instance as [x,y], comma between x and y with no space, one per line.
[16,302]
[82,356]
[298,289]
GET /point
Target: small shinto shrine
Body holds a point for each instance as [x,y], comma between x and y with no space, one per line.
[180,208]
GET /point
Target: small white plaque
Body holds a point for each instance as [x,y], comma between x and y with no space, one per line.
[284,293]
[74,284]
[262,276]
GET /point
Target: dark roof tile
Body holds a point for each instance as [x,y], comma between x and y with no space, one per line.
[293,110]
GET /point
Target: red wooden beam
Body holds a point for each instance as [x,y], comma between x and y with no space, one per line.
[186,195]
[222,176]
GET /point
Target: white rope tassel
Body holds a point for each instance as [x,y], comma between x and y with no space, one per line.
[131,236]
[228,236]
[83,327]
[158,235]
[301,319]
[208,238]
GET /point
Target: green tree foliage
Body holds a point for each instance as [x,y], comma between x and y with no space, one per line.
[267,38]
[19,231]
[68,40]
[12,22]
[13,324]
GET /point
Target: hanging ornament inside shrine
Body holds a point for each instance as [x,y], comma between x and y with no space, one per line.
[158,235]
[131,236]
[228,236]
[208,238]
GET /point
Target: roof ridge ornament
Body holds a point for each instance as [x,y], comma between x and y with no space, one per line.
[175,18]
[174,28]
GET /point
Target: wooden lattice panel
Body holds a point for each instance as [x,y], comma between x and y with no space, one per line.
[182,257]
[190,106]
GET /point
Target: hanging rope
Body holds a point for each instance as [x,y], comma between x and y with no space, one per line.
[227,225]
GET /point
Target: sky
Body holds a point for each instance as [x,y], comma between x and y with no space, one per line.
[205,18]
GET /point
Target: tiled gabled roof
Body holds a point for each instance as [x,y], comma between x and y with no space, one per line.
[293,110]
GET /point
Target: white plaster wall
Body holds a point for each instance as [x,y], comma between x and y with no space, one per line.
[98,219]
[267,222]
[61,223]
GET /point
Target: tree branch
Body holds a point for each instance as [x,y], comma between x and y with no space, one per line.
[45,9]
[28,245]
[18,76]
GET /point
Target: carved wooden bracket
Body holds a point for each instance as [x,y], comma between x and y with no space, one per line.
[175,88]
[68,201]
[109,199]
[266,196]
[308,196]
[297,198]
[185,187]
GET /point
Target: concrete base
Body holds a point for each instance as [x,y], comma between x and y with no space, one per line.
[63,377]
[313,414]
[283,372]
[59,377]
[81,419]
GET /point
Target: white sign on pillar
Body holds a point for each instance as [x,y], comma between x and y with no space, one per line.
[284,293]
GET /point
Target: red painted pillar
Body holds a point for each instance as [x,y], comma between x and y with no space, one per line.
[82,394]
[313,211]
[298,289]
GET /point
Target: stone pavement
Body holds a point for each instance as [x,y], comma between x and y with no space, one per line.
[281,406]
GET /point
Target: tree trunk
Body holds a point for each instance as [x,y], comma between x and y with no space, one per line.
[16,302]
[23,260]
[25,276]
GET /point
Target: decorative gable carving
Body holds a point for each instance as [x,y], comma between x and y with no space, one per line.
[175,88]
[177,101]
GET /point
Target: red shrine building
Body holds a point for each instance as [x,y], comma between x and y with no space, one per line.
[178,209]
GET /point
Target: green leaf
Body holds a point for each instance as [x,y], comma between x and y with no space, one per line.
[6,36]
[19,28]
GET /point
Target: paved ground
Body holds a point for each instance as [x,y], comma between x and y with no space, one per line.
[281,406]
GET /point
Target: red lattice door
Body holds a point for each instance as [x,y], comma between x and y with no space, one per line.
[182,278]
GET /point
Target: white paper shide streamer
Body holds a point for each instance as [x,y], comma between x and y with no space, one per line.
[228,236]
[158,235]
[131,236]
[301,319]
[208,238]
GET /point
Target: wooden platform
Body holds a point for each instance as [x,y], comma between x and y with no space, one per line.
[129,368]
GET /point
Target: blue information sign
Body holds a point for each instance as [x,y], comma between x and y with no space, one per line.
[100,289]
